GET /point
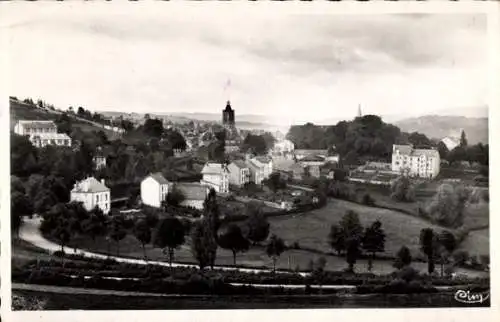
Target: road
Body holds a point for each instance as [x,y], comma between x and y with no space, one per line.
[30,233]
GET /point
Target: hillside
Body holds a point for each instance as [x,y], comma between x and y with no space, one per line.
[23,111]
[438,127]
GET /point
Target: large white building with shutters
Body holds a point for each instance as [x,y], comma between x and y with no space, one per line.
[422,163]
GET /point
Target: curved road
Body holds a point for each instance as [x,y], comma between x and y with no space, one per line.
[30,232]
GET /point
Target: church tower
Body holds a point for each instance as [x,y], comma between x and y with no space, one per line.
[359,111]
[228,116]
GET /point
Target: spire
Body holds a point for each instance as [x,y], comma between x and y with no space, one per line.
[359,111]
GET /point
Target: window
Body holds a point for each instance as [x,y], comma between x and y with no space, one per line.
[97,198]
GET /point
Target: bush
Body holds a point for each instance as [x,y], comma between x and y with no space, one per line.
[460,257]
[368,200]
[296,245]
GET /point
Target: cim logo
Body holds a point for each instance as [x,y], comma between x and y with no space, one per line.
[469,297]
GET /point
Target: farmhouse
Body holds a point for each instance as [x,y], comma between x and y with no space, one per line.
[92,193]
[423,163]
[154,190]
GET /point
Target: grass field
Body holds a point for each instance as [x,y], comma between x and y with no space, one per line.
[311,229]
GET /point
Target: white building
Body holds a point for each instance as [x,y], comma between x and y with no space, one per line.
[283,148]
[260,168]
[44,139]
[302,153]
[194,193]
[99,162]
[154,190]
[423,163]
[42,133]
[92,193]
[216,175]
[30,127]
[451,142]
[239,173]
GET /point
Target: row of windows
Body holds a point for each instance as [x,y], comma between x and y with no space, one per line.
[41,130]
[105,198]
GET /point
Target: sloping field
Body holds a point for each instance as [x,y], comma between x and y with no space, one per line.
[311,230]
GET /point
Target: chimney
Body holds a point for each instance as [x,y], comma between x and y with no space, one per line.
[102,181]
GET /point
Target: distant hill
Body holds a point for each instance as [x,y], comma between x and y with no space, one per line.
[438,127]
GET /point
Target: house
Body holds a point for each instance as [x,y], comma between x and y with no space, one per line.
[260,167]
[92,193]
[30,127]
[154,190]
[283,148]
[194,193]
[239,173]
[313,163]
[43,139]
[216,175]
[451,142]
[300,154]
[297,171]
[99,161]
[422,163]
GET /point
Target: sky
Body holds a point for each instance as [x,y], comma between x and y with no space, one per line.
[292,68]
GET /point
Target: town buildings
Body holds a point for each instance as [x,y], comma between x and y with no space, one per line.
[92,193]
[216,175]
[41,133]
[154,190]
[99,161]
[283,148]
[239,173]
[260,167]
[193,193]
[422,163]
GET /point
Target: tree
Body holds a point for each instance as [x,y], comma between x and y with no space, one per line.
[142,232]
[463,139]
[373,241]
[231,238]
[353,234]
[211,212]
[447,207]
[77,217]
[20,206]
[95,225]
[257,225]
[403,190]
[203,244]
[275,182]
[117,231]
[443,150]
[336,238]
[175,197]
[403,258]
[447,244]
[275,247]
[153,127]
[428,247]
[169,236]
[254,143]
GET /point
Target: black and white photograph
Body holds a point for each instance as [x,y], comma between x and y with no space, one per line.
[246,159]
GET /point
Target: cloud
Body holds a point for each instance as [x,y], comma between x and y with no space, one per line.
[292,66]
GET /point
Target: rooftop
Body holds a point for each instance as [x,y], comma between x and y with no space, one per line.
[311,152]
[89,185]
[192,190]
[158,177]
[51,136]
[240,164]
[37,123]
[313,158]
[403,149]
[213,168]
